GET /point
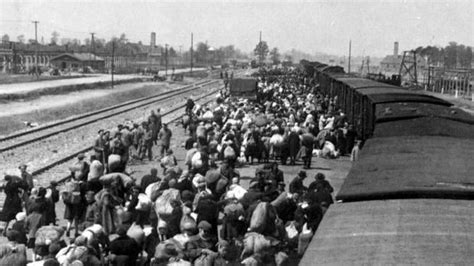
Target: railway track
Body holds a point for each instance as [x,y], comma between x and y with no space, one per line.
[53,170]
[19,139]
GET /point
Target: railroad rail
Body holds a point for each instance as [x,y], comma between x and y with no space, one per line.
[89,148]
[23,138]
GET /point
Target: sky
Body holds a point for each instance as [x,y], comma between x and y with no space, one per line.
[324,26]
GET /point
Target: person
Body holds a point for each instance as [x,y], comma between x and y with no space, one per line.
[153,124]
[20,227]
[355,151]
[149,179]
[124,249]
[12,204]
[293,145]
[37,208]
[73,198]
[320,178]
[101,146]
[165,139]
[92,208]
[146,142]
[53,198]
[296,185]
[189,106]
[27,177]
[277,174]
[168,161]
[81,167]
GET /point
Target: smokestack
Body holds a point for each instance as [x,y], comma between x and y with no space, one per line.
[153,40]
[395,49]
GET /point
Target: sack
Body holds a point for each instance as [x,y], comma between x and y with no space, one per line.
[152,190]
[13,255]
[186,119]
[258,220]
[276,140]
[291,232]
[261,121]
[196,161]
[235,191]
[208,116]
[163,203]
[280,199]
[233,211]
[96,170]
[144,202]
[109,178]
[114,162]
[204,260]
[255,243]
[48,234]
[136,232]
[229,153]
[173,172]
[186,219]
[212,175]
[221,185]
[72,193]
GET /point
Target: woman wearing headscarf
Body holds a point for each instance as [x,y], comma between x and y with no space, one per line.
[12,204]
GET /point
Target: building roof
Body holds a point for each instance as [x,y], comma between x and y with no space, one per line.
[394,232]
[79,57]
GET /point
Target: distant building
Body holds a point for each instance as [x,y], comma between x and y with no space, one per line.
[78,61]
[390,65]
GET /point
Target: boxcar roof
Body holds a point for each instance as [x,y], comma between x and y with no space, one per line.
[425,126]
[394,232]
[398,110]
[358,83]
[411,167]
[332,69]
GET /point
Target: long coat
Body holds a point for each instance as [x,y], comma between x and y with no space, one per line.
[294,144]
[12,204]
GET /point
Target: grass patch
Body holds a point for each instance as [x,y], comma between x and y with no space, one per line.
[10,79]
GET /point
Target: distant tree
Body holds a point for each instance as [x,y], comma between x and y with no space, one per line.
[288,58]
[261,51]
[87,42]
[123,38]
[31,41]
[451,53]
[54,37]
[202,52]
[5,38]
[21,38]
[275,56]
[172,52]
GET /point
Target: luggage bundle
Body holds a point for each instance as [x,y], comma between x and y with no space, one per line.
[144,202]
[96,170]
[72,192]
[48,234]
[163,206]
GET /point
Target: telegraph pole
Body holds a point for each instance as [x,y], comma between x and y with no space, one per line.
[260,37]
[166,60]
[36,47]
[112,64]
[349,65]
[191,52]
[92,45]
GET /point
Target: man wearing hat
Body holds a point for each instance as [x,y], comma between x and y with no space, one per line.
[164,136]
[204,244]
[81,167]
[296,185]
[27,177]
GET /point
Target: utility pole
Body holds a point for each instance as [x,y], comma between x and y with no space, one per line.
[112,64]
[92,47]
[349,64]
[192,52]
[166,60]
[260,37]
[180,55]
[36,48]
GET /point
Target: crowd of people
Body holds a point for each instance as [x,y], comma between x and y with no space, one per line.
[199,213]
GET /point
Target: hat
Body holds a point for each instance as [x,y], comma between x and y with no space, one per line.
[204,225]
[20,216]
[122,230]
[81,156]
[54,183]
[320,176]
[22,166]
[302,173]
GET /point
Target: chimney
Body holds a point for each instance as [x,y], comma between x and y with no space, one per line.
[395,49]
[153,40]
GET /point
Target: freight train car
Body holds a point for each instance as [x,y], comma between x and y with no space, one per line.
[409,199]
